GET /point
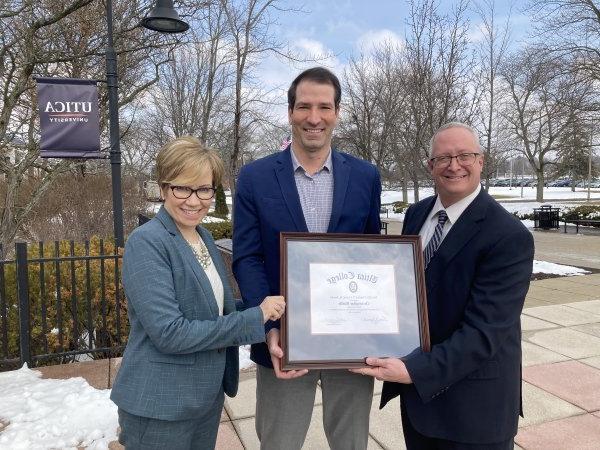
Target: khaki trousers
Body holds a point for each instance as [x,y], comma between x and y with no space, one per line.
[284,408]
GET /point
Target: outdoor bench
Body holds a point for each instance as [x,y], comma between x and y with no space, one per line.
[577,222]
[384,226]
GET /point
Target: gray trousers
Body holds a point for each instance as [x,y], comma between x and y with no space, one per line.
[144,433]
[284,408]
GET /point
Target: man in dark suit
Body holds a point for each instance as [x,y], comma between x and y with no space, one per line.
[466,392]
[307,187]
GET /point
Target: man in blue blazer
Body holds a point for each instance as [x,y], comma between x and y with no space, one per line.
[307,187]
[465,393]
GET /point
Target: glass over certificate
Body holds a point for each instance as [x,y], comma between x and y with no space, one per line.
[353,299]
[351,296]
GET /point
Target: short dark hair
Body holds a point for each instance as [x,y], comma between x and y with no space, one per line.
[319,75]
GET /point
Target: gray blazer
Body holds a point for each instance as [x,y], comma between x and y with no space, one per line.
[180,352]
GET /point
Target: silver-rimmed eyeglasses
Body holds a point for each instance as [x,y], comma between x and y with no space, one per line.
[464,159]
[183,192]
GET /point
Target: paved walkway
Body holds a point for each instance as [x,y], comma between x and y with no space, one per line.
[561,359]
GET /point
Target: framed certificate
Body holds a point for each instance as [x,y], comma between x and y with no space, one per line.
[349,296]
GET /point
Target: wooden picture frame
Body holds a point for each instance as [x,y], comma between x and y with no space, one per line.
[349,296]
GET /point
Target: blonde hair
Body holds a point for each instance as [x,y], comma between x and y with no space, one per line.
[185,159]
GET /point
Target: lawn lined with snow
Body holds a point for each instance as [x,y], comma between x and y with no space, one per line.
[509,194]
[54,414]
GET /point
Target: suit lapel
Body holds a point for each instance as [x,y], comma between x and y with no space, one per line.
[465,228]
[284,171]
[418,216]
[341,176]
[190,259]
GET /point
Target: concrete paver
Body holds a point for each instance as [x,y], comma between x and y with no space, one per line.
[94,372]
[559,380]
[590,280]
[315,438]
[562,315]
[244,403]
[540,406]
[377,387]
[588,328]
[540,293]
[228,438]
[386,424]
[571,249]
[594,361]
[534,355]
[529,323]
[592,306]
[582,289]
[224,416]
[565,341]
[533,302]
[573,433]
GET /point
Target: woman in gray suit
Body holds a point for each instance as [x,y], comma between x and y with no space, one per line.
[182,353]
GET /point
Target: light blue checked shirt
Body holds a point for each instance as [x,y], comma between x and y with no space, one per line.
[316,194]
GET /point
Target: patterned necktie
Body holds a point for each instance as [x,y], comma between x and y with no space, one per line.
[436,239]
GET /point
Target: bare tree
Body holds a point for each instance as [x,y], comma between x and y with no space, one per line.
[491,54]
[373,104]
[193,85]
[436,76]
[252,37]
[545,95]
[569,27]
[65,39]
[573,155]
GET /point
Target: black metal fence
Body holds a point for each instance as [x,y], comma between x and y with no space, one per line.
[61,301]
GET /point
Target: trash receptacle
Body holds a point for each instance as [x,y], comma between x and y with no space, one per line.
[545,217]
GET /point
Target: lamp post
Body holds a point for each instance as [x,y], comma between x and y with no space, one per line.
[162,18]
[590,157]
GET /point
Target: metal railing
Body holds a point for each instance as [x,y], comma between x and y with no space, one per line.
[59,302]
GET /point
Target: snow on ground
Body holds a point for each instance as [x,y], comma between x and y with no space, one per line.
[245,361]
[47,413]
[65,414]
[53,414]
[514,204]
[509,194]
[557,269]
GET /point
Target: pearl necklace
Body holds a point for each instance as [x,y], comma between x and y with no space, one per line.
[201,252]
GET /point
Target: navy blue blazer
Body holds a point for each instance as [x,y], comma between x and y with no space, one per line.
[181,354]
[267,203]
[468,388]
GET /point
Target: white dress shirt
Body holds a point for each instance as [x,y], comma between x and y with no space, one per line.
[453,211]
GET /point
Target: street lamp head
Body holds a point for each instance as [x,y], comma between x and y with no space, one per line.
[164,18]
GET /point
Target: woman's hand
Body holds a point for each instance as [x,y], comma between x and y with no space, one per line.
[272,307]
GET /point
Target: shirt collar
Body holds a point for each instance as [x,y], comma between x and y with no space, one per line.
[326,165]
[455,210]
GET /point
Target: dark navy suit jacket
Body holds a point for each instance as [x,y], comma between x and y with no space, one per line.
[267,203]
[468,388]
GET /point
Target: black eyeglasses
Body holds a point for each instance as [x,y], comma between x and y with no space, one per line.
[183,192]
[464,159]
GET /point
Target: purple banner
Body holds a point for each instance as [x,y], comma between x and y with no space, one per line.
[69,118]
